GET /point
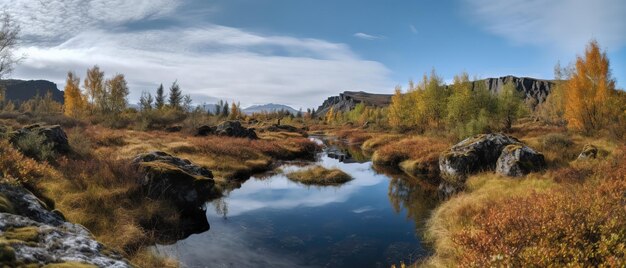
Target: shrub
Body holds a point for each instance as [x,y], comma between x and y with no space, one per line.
[79,142]
[577,226]
[33,144]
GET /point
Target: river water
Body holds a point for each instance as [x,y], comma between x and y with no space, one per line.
[375,220]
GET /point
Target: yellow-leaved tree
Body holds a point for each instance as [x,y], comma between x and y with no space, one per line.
[588,90]
[74,101]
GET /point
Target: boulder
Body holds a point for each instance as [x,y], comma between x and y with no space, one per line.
[175,128]
[205,130]
[53,134]
[235,129]
[187,185]
[589,152]
[518,160]
[33,235]
[472,155]
[282,128]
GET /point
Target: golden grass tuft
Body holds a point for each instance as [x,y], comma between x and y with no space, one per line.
[318,175]
[414,155]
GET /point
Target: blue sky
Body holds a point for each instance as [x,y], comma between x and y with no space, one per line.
[300,52]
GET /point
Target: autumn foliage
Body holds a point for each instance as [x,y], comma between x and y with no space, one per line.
[588,91]
[571,225]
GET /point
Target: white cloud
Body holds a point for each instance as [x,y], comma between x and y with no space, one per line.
[367,36]
[413,29]
[563,24]
[207,60]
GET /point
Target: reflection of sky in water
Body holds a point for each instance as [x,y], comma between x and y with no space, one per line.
[275,222]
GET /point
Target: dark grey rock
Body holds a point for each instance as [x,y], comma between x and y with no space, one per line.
[187,185]
[235,129]
[472,155]
[518,160]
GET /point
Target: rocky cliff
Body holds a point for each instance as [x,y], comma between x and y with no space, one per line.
[535,90]
[348,99]
[21,90]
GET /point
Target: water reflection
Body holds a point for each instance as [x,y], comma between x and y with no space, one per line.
[274,222]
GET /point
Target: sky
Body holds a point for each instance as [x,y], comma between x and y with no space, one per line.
[299,52]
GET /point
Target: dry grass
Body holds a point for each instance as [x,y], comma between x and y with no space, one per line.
[379,140]
[414,155]
[567,216]
[318,175]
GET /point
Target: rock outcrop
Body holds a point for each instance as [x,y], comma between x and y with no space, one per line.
[228,129]
[205,130]
[589,152]
[518,160]
[53,134]
[485,152]
[347,100]
[535,90]
[21,90]
[235,129]
[187,185]
[30,234]
[283,128]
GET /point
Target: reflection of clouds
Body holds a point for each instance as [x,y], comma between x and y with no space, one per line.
[227,248]
[363,209]
[281,193]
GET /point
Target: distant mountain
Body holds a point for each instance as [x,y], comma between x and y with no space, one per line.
[21,90]
[271,107]
[535,90]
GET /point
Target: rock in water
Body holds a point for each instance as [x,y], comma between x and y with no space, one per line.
[472,155]
[518,160]
[589,152]
[235,129]
[31,234]
[189,186]
[53,134]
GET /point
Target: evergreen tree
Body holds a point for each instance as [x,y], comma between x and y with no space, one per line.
[176,96]
[225,109]
[159,100]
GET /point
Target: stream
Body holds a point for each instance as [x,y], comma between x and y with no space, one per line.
[375,220]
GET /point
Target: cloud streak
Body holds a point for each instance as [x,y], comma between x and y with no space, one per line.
[367,36]
[563,24]
[207,59]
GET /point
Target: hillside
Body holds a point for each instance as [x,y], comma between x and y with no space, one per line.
[535,89]
[21,90]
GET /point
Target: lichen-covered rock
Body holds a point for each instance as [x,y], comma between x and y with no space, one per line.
[235,129]
[186,184]
[472,155]
[518,160]
[589,152]
[53,134]
[31,234]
